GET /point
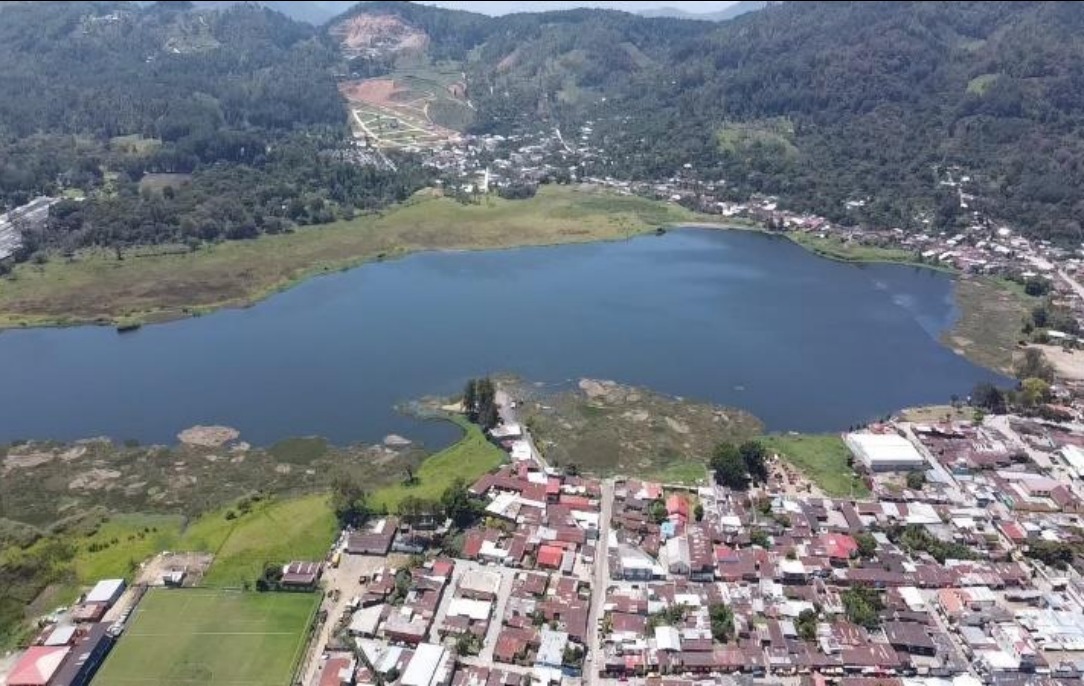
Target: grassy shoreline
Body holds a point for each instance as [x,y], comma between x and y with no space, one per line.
[98,289]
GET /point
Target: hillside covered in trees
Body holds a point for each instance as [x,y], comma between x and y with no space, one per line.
[178,124]
[856,111]
[818,103]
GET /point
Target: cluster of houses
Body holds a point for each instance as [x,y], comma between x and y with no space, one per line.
[932,581]
[512,608]
[960,595]
[69,652]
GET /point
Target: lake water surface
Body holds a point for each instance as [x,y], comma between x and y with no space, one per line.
[732,317]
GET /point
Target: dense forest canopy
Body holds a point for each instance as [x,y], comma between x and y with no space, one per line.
[857,111]
[235,113]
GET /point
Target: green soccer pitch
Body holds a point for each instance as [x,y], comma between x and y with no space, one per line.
[184,637]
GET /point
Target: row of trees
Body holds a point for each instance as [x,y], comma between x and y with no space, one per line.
[350,502]
[480,402]
[736,466]
[916,538]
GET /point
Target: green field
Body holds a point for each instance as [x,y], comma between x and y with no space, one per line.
[469,458]
[822,458]
[272,531]
[687,473]
[122,542]
[992,312]
[98,287]
[836,249]
[215,638]
[278,532]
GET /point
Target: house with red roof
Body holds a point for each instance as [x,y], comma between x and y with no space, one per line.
[550,557]
[1013,531]
[838,547]
[553,489]
[677,505]
[37,666]
[443,567]
[338,671]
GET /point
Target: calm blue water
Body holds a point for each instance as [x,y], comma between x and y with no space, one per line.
[732,317]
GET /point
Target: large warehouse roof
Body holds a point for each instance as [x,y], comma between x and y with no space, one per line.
[884,450]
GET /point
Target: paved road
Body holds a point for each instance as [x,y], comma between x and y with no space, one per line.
[509,416]
[601,581]
[945,476]
[1073,283]
[345,581]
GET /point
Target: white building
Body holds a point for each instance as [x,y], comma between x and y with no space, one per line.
[475,610]
[427,665]
[551,649]
[106,591]
[677,555]
[885,452]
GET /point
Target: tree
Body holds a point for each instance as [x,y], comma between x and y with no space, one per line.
[863,606]
[729,467]
[1033,392]
[487,417]
[698,512]
[760,538]
[657,511]
[572,656]
[459,505]
[470,399]
[722,622]
[867,544]
[1033,365]
[916,479]
[989,397]
[754,456]
[349,500]
[1036,287]
[807,625]
[1057,554]
[479,399]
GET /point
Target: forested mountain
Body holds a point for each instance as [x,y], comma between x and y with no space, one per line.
[819,103]
[857,111]
[179,124]
[827,102]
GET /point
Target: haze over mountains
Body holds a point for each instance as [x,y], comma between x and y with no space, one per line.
[861,112]
[735,10]
[320,11]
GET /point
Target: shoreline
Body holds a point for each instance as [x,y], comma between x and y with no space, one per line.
[619,227]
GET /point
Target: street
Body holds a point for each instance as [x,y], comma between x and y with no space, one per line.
[344,580]
[509,415]
[601,582]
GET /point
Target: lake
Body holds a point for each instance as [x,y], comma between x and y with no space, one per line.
[732,317]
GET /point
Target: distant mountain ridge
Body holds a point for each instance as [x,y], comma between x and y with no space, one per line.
[735,10]
[863,112]
[310,11]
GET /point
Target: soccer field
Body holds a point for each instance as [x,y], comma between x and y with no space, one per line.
[221,638]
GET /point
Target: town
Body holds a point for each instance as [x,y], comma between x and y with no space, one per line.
[956,567]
